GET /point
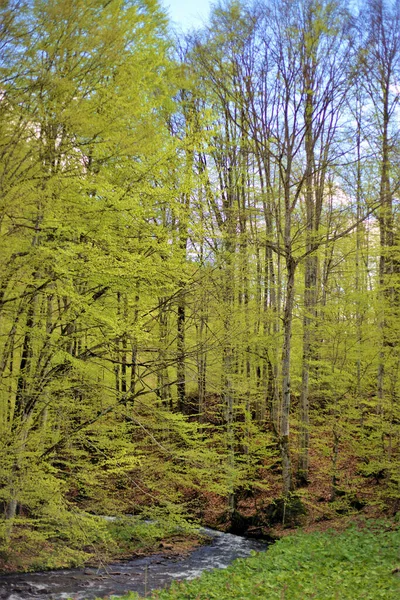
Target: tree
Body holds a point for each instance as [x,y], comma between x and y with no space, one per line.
[380,62]
[85,143]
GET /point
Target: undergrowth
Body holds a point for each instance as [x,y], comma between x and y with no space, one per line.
[77,539]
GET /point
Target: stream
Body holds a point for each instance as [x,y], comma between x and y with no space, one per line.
[140,574]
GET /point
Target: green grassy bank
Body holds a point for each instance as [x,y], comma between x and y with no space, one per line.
[357,564]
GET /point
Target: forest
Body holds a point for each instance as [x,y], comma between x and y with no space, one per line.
[199,266]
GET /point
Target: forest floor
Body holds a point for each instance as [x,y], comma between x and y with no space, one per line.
[327,502]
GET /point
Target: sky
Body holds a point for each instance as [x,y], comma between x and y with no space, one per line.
[187,13]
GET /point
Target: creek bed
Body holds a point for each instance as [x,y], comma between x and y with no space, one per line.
[139,575]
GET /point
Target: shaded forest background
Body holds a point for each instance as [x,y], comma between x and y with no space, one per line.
[200,262]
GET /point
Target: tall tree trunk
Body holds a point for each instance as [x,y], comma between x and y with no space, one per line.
[180,364]
[284,432]
[310,272]
[164,391]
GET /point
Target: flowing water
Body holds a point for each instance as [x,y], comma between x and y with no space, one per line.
[140,574]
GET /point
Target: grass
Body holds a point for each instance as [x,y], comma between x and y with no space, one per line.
[356,564]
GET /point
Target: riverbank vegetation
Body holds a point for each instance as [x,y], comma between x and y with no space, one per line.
[356,563]
[199,267]
[88,540]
